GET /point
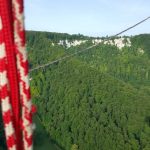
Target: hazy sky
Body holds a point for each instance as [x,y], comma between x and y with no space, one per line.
[89,17]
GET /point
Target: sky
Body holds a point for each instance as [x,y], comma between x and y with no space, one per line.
[88,17]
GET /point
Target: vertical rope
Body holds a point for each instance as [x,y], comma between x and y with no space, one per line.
[6,11]
[4,95]
[14,84]
[22,66]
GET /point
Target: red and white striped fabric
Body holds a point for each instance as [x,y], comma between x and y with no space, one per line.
[14,85]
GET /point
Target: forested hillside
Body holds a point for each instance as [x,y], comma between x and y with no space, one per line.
[82,106]
[96,100]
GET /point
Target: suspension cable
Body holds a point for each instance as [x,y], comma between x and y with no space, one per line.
[90,47]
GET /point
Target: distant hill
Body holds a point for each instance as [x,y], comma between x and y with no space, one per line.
[53,36]
[126,58]
[142,41]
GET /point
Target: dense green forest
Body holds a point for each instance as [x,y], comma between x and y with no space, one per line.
[97,100]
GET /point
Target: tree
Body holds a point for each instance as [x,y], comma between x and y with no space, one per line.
[74,147]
